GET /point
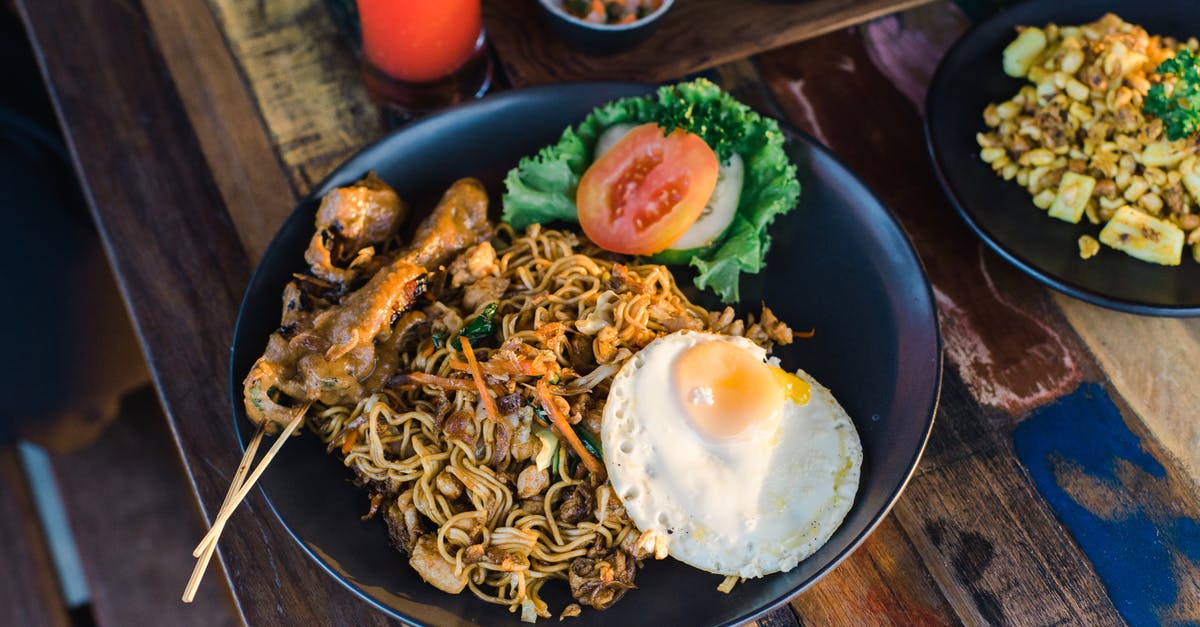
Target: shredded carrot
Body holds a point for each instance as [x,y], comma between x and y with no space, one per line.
[480,385]
[509,367]
[349,442]
[424,378]
[805,334]
[565,431]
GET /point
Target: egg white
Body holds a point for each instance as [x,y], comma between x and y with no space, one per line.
[746,507]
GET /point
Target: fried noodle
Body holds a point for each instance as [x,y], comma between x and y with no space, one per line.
[569,316]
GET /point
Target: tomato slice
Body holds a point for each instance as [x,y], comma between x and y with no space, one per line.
[646,191]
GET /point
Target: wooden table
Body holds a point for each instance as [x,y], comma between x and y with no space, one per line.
[1058,487]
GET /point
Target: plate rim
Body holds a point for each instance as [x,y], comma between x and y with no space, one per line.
[932,403]
[1095,297]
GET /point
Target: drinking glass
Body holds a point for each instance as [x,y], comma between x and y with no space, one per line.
[422,55]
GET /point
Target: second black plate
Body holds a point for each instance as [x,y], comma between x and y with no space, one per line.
[1001,212]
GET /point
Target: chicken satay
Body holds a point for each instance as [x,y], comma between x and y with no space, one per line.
[351,222]
[327,355]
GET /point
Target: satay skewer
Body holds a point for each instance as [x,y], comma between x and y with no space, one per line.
[237,493]
[204,552]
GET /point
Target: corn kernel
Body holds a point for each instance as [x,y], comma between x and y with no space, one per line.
[1044,199]
[989,155]
[1037,157]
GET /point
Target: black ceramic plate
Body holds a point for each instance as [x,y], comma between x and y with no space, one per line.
[1001,212]
[839,264]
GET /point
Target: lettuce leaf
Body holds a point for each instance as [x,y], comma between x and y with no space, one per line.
[541,189]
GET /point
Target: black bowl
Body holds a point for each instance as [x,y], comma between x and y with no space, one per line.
[1001,212]
[840,264]
[598,39]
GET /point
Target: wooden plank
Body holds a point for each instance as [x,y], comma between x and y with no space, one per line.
[135,523]
[228,125]
[182,270]
[305,80]
[1137,519]
[882,583]
[692,36]
[1001,329]
[780,617]
[29,591]
[1153,363]
[986,536]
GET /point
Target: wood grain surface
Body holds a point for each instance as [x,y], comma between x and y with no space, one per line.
[693,35]
[1064,430]
[182,270]
[134,548]
[29,591]
[305,81]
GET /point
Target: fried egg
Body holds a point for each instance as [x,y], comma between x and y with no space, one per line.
[739,467]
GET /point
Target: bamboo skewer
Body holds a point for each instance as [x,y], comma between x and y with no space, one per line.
[239,487]
[236,483]
[204,551]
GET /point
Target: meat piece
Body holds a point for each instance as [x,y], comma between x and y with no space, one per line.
[489,289]
[553,335]
[593,418]
[674,317]
[460,220]
[435,569]
[448,485]
[461,426]
[607,503]
[599,583]
[474,264]
[577,505]
[368,311]
[532,481]
[776,329]
[524,444]
[516,358]
[404,523]
[645,544]
[633,545]
[501,441]
[605,346]
[621,281]
[387,354]
[582,357]
[350,222]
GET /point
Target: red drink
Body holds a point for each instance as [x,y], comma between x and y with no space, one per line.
[423,54]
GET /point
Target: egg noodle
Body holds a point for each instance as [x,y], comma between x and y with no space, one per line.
[396,440]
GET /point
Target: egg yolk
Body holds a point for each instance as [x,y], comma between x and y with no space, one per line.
[794,388]
[724,390]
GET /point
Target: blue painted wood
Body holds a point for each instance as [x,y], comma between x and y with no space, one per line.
[1137,524]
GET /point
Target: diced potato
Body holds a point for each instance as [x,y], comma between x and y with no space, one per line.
[1073,193]
[1144,237]
[1020,54]
[1088,247]
[1190,171]
[1163,153]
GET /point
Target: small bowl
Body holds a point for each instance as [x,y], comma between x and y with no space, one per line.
[598,39]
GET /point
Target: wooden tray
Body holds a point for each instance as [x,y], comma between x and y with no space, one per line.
[694,35]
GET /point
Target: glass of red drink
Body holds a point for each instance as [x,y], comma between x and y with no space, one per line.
[421,55]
